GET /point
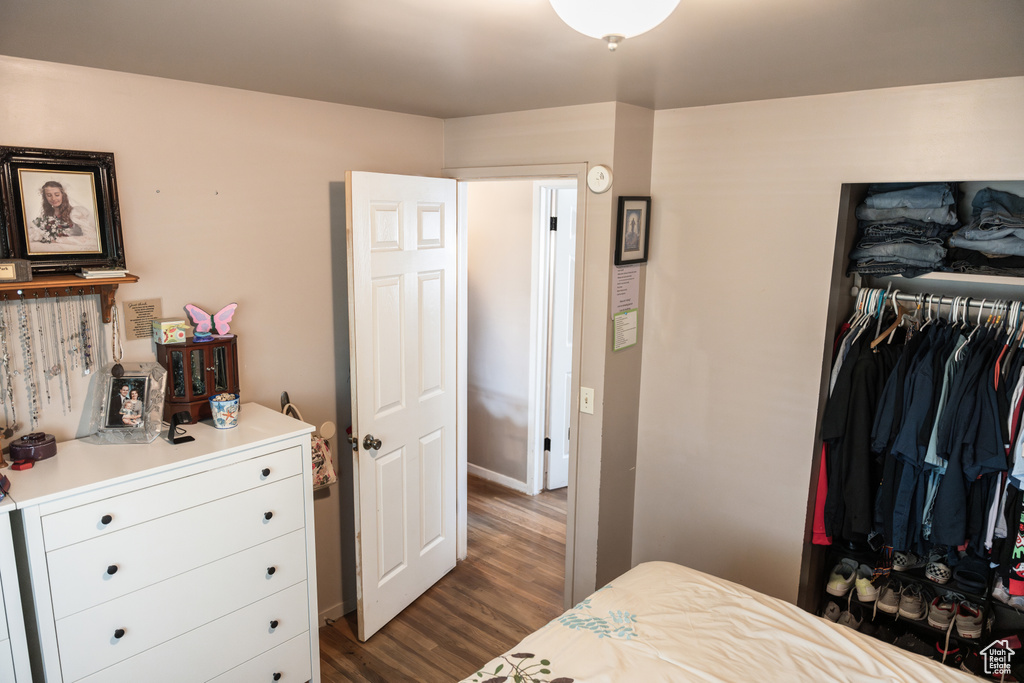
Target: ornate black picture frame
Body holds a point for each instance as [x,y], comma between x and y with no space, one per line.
[633,230]
[60,209]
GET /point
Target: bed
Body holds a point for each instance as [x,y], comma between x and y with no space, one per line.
[664,622]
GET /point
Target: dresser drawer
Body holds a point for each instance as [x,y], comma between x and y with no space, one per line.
[217,647]
[290,661]
[4,635]
[88,521]
[149,553]
[153,615]
[7,661]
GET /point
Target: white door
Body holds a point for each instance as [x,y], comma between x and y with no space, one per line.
[560,369]
[401,233]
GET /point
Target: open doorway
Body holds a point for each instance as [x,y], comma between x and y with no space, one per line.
[573,173]
[520,279]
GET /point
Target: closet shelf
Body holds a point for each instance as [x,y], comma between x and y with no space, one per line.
[953,278]
[68,285]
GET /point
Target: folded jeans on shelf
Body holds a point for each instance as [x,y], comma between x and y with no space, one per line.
[921,255]
[895,228]
[1005,246]
[996,208]
[945,215]
[927,196]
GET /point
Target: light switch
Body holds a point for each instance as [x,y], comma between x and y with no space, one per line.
[587,400]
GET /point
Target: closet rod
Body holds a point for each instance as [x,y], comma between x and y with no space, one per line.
[937,300]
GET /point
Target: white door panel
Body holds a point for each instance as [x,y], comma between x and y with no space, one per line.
[402,321]
[560,397]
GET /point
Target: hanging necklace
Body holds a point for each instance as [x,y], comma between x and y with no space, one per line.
[115,344]
[95,326]
[86,335]
[28,363]
[72,328]
[8,388]
[64,354]
[38,314]
[57,366]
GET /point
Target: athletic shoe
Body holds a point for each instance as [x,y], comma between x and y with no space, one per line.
[848,618]
[1000,593]
[842,577]
[912,604]
[938,572]
[912,643]
[905,561]
[832,611]
[969,620]
[889,597]
[866,591]
[941,612]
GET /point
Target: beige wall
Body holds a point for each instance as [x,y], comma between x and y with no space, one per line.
[746,199]
[500,222]
[225,197]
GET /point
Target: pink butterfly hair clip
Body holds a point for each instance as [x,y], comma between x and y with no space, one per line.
[204,322]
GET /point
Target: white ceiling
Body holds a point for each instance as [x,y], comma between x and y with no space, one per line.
[450,58]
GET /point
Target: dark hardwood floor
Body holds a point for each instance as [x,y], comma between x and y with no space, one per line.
[510,584]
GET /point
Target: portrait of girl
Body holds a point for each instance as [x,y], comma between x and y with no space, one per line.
[60,212]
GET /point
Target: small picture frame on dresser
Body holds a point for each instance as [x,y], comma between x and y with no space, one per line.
[129,408]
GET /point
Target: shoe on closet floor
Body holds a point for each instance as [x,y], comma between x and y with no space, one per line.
[866,591]
[1000,593]
[912,603]
[851,618]
[832,611]
[941,611]
[842,577]
[903,561]
[911,643]
[969,620]
[889,597]
[937,568]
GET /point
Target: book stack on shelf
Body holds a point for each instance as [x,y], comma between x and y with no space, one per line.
[95,273]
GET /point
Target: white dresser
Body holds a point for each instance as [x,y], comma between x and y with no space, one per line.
[160,562]
[14,664]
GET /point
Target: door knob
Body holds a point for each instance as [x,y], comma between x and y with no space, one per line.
[370,443]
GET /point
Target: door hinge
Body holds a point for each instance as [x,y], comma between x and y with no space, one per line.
[554,223]
[547,443]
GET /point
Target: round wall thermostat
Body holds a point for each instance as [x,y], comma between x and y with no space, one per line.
[599,179]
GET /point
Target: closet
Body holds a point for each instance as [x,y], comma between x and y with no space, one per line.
[893,312]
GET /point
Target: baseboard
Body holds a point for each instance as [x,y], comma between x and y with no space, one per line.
[500,479]
[333,613]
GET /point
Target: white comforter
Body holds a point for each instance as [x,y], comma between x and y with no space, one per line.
[664,622]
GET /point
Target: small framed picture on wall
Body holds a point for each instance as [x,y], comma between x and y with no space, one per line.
[633,231]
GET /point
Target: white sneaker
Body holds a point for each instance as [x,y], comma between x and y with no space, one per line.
[866,591]
[842,577]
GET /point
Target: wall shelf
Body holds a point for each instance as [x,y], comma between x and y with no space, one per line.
[68,285]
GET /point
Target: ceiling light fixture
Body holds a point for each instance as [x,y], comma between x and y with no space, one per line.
[613,20]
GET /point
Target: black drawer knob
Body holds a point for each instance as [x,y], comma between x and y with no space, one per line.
[106,519]
[268,515]
[271,570]
[119,633]
[277,676]
[112,569]
[266,472]
[273,624]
